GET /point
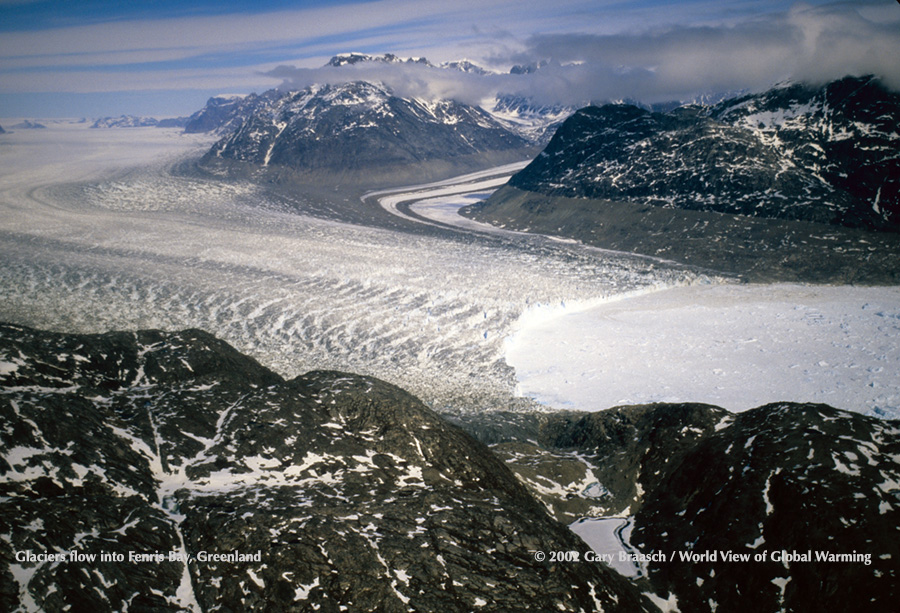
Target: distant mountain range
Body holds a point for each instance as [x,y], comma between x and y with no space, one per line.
[29,125]
[132,121]
[342,491]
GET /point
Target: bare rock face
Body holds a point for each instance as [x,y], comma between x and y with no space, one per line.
[167,472]
[812,489]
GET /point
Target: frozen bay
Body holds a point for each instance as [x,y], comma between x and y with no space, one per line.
[736,346]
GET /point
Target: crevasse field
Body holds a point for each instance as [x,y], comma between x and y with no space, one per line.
[96,233]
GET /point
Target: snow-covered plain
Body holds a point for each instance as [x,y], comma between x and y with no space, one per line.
[96,233]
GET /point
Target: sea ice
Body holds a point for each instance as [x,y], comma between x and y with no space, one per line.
[736,346]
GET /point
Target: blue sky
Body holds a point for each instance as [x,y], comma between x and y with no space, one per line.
[161,57]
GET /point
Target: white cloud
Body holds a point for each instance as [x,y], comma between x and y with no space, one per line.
[598,50]
[805,43]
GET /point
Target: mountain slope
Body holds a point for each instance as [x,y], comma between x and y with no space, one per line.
[223,114]
[781,186]
[357,125]
[362,127]
[827,155]
[339,491]
[693,479]
[353,124]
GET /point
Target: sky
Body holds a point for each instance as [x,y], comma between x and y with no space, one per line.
[163,58]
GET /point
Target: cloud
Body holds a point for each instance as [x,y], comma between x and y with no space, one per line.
[408,79]
[594,50]
[812,44]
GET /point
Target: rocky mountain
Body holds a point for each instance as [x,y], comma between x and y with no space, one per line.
[2,131]
[350,59]
[537,121]
[823,154]
[783,185]
[814,492]
[466,66]
[167,472]
[172,122]
[359,125]
[222,114]
[362,126]
[125,121]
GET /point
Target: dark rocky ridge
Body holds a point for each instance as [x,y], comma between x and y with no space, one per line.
[826,155]
[695,478]
[356,496]
[758,250]
[784,185]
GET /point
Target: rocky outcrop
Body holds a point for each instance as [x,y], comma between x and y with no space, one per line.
[156,452]
[812,490]
[820,154]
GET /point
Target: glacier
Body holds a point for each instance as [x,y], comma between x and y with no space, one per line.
[97,232]
[733,346]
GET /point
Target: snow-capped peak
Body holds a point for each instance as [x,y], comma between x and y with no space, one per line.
[347,59]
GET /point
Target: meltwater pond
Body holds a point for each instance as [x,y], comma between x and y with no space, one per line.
[735,346]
